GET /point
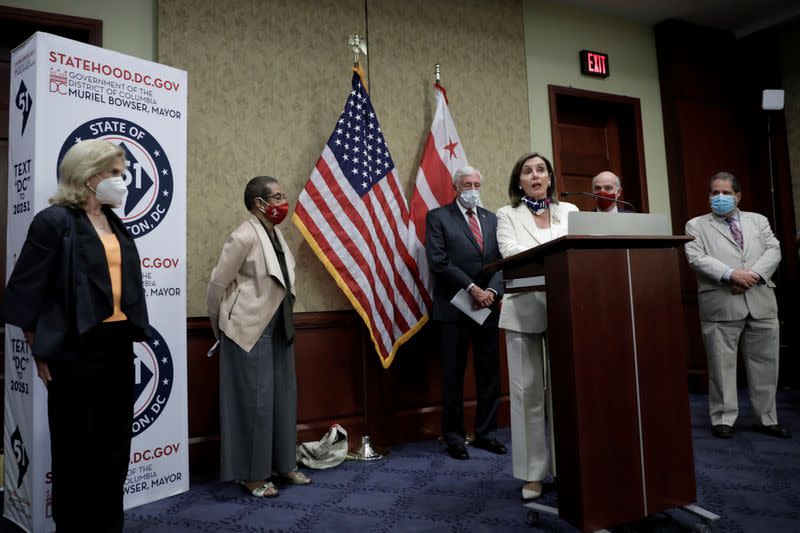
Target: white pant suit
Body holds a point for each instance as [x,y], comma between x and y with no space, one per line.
[524,317]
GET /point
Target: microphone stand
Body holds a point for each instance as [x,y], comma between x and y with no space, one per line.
[623,202]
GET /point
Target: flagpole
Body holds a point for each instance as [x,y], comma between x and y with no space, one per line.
[366,451]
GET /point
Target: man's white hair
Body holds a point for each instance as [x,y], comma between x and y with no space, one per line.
[466,171]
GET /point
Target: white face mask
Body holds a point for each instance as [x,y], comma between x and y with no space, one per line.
[111,191]
[469,198]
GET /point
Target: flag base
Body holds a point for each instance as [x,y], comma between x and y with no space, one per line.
[366,452]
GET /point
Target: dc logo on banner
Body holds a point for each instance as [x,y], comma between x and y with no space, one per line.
[24,103]
[20,454]
[152,381]
[148,174]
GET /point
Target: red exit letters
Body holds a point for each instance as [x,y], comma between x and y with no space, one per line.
[594,63]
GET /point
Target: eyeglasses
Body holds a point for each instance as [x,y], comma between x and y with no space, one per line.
[278,197]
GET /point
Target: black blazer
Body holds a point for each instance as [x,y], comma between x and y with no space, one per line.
[61,287]
[455,259]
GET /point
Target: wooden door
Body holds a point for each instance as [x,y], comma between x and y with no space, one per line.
[593,132]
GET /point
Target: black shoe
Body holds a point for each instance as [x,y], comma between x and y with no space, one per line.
[775,430]
[722,431]
[490,445]
[457,451]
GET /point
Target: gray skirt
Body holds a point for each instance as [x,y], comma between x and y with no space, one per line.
[258,406]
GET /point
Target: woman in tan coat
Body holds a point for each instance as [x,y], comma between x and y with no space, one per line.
[250,298]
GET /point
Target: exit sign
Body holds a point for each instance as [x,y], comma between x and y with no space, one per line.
[594,64]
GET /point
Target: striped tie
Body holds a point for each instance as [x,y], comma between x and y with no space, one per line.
[476,230]
[736,232]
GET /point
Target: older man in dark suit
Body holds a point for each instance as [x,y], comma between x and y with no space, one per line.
[460,240]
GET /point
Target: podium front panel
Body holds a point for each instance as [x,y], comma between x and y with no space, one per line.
[622,430]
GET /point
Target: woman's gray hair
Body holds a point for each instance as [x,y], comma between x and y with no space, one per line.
[84,160]
[466,171]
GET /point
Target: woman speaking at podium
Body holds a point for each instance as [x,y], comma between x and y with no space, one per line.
[534,217]
[76,292]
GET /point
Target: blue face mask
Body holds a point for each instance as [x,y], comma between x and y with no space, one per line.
[723,204]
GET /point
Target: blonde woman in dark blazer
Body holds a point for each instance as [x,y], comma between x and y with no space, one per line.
[534,217]
[250,299]
[76,292]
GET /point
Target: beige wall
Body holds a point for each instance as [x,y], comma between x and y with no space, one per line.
[554,35]
[128,26]
[269,79]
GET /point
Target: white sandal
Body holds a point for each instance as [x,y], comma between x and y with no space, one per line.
[296,477]
[266,490]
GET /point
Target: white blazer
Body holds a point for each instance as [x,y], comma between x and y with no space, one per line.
[713,251]
[517,232]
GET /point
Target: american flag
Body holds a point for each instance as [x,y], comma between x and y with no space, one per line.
[442,156]
[353,214]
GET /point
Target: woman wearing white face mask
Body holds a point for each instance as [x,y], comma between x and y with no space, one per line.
[250,299]
[76,292]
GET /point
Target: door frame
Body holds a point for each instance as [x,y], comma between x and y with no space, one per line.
[631,104]
[93,27]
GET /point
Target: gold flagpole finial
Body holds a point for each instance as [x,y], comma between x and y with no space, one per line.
[358,46]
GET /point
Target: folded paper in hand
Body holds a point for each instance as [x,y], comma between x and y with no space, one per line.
[464,301]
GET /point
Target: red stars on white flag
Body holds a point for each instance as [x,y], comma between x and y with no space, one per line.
[442,157]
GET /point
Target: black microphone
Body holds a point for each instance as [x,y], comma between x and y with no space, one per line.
[623,202]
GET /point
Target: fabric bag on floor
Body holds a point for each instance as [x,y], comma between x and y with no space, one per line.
[327,452]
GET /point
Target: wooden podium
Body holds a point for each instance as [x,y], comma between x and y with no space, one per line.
[618,355]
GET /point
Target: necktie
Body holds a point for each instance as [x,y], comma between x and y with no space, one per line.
[736,232]
[476,229]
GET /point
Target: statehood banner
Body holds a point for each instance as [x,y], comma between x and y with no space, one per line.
[62,92]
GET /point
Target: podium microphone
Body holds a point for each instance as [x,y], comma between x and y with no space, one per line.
[623,202]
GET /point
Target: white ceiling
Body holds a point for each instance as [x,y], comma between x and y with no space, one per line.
[741,17]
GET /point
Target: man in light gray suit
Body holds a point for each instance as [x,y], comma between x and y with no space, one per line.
[735,254]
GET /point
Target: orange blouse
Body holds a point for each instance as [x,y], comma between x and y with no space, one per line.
[114,257]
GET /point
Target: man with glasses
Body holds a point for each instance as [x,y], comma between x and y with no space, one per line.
[735,254]
[460,239]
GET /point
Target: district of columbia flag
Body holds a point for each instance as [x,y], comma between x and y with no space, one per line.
[353,214]
[442,157]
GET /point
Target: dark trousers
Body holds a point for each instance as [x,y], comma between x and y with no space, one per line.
[90,411]
[454,338]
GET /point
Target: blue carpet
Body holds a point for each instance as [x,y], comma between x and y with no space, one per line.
[751,480]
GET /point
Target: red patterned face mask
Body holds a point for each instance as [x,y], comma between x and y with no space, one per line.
[602,203]
[276,213]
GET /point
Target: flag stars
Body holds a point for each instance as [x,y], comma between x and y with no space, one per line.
[364,185]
